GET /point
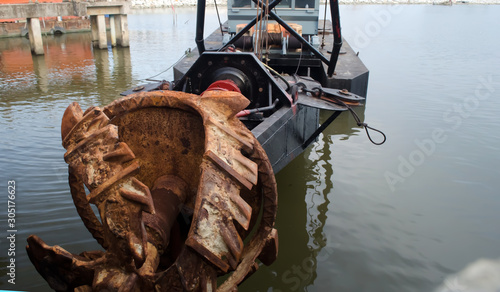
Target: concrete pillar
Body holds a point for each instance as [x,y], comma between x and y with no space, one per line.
[35,36]
[121,24]
[112,29]
[95,32]
[101,28]
[118,31]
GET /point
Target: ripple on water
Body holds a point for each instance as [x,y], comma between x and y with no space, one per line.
[335,205]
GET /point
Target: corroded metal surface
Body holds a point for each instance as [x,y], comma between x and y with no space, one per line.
[179,184]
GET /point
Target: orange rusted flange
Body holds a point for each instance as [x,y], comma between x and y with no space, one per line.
[209,179]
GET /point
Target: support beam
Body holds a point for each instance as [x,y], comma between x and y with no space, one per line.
[121,24]
[33,10]
[35,36]
[118,31]
[96,11]
[101,29]
[112,29]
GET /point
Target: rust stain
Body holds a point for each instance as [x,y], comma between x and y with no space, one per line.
[176,197]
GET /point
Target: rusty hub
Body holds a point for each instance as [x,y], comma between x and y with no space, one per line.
[179,183]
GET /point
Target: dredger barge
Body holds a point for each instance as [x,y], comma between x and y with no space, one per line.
[182,172]
[286,61]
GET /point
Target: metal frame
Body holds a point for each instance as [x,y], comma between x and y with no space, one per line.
[334,8]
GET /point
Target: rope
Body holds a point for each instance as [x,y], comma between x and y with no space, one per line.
[267,31]
[218,16]
[365,125]
[277,74]
[324,27]
[300,58]
[256,33]
[318,92]
[262,24]
[151,78]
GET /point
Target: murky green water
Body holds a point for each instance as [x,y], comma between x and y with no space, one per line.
[352,216]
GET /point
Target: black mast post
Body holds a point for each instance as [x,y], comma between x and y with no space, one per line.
[337,36]
[200,26]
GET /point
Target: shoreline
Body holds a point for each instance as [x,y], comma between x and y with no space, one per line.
[148,4]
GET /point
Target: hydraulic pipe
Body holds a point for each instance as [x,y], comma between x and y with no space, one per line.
[200,26]
[337,36]
[247,112]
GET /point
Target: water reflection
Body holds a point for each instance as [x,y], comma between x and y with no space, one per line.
[296,264]
[113,69]
[41,73]
[307,250]
[69,60]
[350,232]
[34,91]
[122,63]
[345,124]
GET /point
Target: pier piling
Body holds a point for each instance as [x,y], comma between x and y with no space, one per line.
[101,32]
[96,10]
[35,36]
[121,26]
[93,29]
[112,30]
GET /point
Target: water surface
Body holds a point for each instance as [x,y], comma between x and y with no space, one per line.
[352,216]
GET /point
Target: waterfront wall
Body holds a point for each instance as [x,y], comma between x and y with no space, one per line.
[48,26]
[177,3]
